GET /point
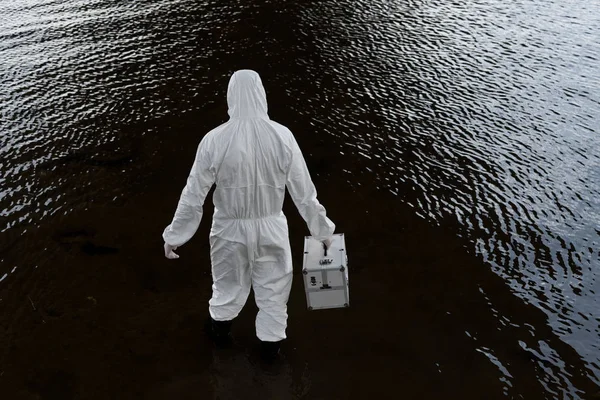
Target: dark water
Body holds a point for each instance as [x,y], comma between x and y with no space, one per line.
[480,116]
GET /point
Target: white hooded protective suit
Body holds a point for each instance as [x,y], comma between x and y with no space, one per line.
[251,159]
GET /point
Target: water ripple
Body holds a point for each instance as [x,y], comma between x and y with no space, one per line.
[486,113]
[481,113]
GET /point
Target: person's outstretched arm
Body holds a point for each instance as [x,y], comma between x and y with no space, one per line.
[189,210]
[303,193]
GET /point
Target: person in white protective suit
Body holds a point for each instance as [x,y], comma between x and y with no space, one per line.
[251,159]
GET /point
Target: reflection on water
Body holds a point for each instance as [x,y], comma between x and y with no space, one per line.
[483,114]
[479,115]
[75,76]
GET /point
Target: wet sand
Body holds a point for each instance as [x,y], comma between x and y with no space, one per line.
[105,315]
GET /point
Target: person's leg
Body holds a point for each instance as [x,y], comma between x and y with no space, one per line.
[272,281]
[231,284]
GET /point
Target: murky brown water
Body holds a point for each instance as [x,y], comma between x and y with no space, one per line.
[480,118]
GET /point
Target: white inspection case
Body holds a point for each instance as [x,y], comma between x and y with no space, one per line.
[326,273]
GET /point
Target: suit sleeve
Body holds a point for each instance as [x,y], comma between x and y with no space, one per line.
[189,209]
[303,193]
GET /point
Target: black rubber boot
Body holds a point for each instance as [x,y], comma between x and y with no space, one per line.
[269,351]
[219,332]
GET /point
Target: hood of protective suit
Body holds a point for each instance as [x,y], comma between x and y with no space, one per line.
[246,95]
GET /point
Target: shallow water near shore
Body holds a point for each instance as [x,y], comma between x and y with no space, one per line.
[456,145]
